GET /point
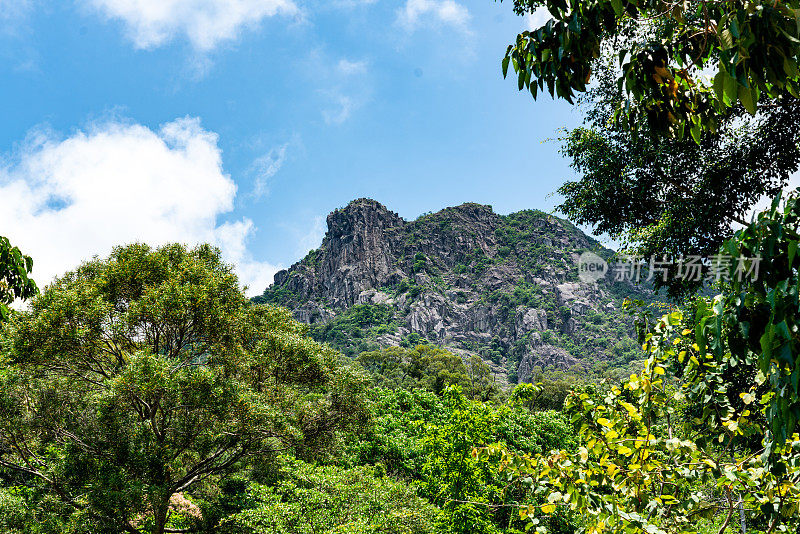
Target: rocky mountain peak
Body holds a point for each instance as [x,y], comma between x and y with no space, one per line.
[501,286]
[361,216]
[473,211]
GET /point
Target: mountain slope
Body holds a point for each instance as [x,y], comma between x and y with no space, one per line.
[466,278]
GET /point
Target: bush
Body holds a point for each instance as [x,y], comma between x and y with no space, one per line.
[332,500]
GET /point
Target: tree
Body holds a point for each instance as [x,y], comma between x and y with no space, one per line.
[547,394]
[430,367]
[388,366]
[467,486]
[437,369]
[137,377]
[736,357]
[645,467]
[663,49]
[463,485]
[317,500]
[643,179]
[675,198]
[15,281]
[658,451]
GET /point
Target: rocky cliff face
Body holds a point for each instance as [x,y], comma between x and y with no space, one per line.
[504,287]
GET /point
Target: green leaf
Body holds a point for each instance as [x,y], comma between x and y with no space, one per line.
[789,36]
[785,354]
[506,60]
[746,98]
[725,39]
[735,29]
[575,23]
[731,86]
[790,68]
[766,343]
[719,85]
[695,131]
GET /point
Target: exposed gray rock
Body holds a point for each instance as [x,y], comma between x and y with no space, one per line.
[451,277]
[426,321]
[530,320]
[312,313]
[544,357]
[577,297]
[570,327]
[372,296]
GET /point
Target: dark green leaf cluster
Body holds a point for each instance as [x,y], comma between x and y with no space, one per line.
[15,281]
[752,328]
[676,198]
[662,49]
[428,439]
[314,500]
[428,367]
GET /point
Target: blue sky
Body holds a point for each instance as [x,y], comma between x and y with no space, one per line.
[244,122]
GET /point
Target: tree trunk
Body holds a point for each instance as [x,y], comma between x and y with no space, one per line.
[160,517]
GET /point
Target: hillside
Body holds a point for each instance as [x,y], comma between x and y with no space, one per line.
[465,278]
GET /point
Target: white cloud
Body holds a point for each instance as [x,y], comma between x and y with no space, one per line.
[65,200]
[344,107]
[265,167]
[348,91]
[352,3]
[15,25]
[206,23]
[345,85]
[13,8]
[538,18]
[415,13]
[347,67]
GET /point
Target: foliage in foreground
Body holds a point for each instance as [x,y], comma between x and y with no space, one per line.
[675,198]
[751,47]
[720,437]
[144,393]
[668,159]
[308,500]
[135,378]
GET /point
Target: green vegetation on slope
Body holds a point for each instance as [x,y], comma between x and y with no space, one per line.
[355,329]
[143,393]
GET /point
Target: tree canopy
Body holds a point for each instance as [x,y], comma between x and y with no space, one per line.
[675,198]
[664,49]
[692,115]
[429,367]
[137,377]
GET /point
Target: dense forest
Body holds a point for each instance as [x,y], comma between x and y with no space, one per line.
[144,393]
